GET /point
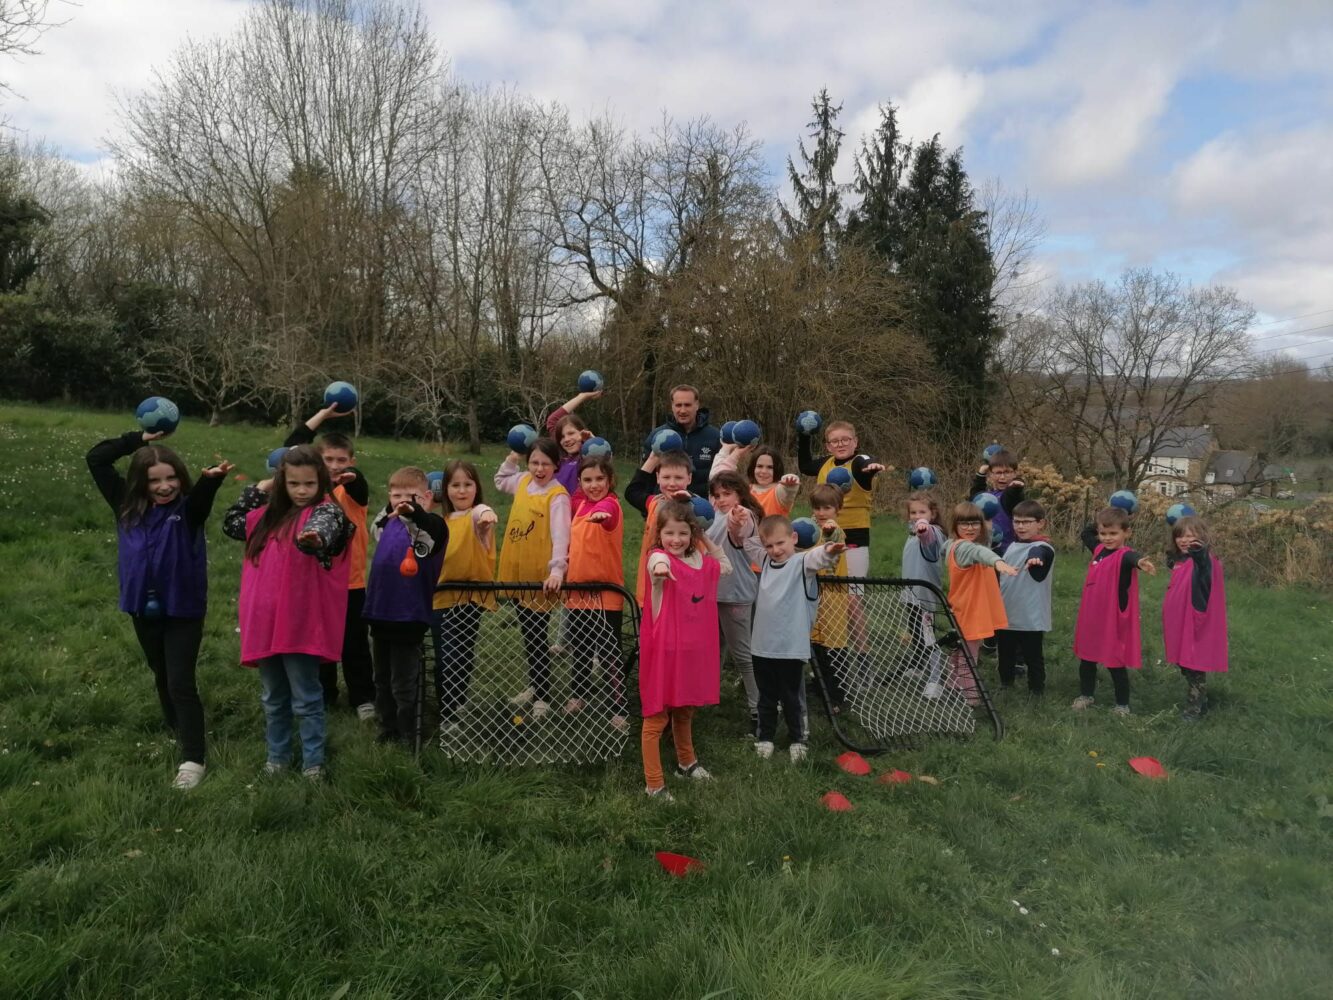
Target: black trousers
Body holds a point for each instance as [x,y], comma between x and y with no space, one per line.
[1014,645]
[171,646]
[1087,681]
[455,632]
[595,632]
[533,625]
[357,669]
[779,686]
[397,649]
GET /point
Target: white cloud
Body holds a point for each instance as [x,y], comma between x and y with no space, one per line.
[942,102]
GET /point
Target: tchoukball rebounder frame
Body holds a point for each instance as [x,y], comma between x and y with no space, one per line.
[877,671]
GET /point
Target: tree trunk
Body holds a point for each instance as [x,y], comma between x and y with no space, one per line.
[473,428]
[214,416]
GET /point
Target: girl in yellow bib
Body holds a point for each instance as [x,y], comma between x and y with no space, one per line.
[456,619]
[535,550]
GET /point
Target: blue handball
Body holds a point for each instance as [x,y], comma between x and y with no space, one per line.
[1126,500]
[996,538]
[746,432]
[808,421]
[922,478]
[988,504]
[435,481]
[807,532]
[728,432]
[1178,510]
[591,381]
[595,447]
[520,438]
[990,451]
[275,458]
[839,477]
[703,510]
[341,395]
[157,413]
[666,440]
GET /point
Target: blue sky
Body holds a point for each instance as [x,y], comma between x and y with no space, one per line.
[1190,135]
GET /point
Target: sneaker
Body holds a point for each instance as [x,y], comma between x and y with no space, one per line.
[450,727]
[273,767]
[1081,703]
[696,771]
[620,723]
[797,751]
[188,776]
[660,794]
[932,691]
[539,709]
[1120,710]
[314,773]
[556,649]
[366,712]
[574,706]
[523,698]
[763,748]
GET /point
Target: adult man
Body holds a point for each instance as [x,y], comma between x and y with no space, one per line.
[702,440]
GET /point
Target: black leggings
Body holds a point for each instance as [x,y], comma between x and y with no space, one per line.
[171,646]
[358,671]
[592,633]
[533,625]
[1011,644]
[779,687]
[455,631]
[1087,681]
[397,679]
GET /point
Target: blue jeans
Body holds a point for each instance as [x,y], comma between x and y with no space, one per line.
[291,686]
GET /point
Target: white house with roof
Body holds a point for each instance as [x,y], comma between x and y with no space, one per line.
[1180,460]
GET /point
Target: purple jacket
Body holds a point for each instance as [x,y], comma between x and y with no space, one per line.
[390,596]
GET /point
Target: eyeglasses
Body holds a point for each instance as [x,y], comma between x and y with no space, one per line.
[840,441]
[1024,520]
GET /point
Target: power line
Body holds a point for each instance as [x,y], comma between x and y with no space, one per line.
[1292,319]
[1289,333]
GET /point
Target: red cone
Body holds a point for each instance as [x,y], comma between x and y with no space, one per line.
[679,865]
[837,802]
[853,763]
[894,777]
[1149,767]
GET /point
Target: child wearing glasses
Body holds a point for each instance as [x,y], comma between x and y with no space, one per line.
[1027,598]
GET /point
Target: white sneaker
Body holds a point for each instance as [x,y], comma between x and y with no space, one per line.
[1081,703]
[797,751]
[539,709]
[450,728]
[523,698]
[763,748]
[620,723]
[313,773]
[574,706]
[272,767]
[696,771]
[932,691]
[660,794]
[1120,710]
[188,776]
[366,712]
[556,649]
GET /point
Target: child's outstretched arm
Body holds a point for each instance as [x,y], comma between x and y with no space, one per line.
[326,533]
[864,470]
[572,404]
[304,433]
[979,483]
[1011,497]
[102,458]
[643,485]
[199,503]
[233,522]
[1041,562]
[727,459]
[806,460]
[928,536]
[432,533]
[789,486]
[509,473]
[483,523]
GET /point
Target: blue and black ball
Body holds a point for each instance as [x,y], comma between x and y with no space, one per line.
[808,421]
[703,510]
[840,477]
[922,478]
[275,459]
[342,396]
[591,381]
[728,432]
[157,414]
[666,440]
[988,504]
[1126,500]
[1178,510]
[595,447]
[520,438]
[807,532]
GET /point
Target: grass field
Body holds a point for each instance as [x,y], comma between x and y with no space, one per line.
[402,880]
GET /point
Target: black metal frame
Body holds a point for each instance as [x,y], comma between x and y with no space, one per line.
[632,618]
[951,640]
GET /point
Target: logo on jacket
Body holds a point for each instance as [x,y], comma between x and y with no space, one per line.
[696,598]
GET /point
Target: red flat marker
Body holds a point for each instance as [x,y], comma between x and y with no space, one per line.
[679,865]
[854,763]
[837,802]
[894,777]
[1149,767]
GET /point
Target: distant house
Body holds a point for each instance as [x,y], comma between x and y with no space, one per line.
[1231,474]
[1180,461]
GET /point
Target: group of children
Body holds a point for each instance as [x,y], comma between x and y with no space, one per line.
[312,596]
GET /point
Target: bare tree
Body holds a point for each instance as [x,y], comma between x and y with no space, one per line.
[1014,231]
[1101,377]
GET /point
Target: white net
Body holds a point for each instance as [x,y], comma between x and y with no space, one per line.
[892,667]
[519,677]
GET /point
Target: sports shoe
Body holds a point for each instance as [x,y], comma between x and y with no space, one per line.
[1082,702]
[524,697]
[797,751]
[620,723]
[764,748]
[450,727]
[696,771]
[366,712]
[188,776]
[932,691]
[556,649]
[539,709]
[1121,710]
[660,794]
[315,773]
[273,767]
[574,706]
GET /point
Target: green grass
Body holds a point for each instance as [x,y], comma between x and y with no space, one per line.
[404,880]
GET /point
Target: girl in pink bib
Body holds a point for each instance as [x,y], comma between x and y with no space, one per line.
[678,646]
[1194,613]
[1107,631]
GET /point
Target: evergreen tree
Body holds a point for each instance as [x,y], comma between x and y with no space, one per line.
[879,168]
[818,198]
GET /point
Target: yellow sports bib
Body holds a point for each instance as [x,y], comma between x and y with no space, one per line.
[855,511]
[465,558]
[526,554]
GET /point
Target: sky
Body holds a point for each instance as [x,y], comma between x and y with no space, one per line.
[1189,135]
